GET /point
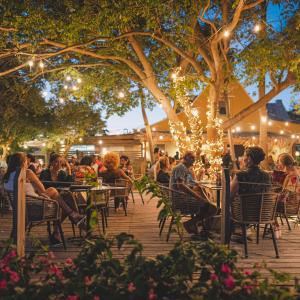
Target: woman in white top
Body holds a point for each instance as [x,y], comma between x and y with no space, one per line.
[34,187]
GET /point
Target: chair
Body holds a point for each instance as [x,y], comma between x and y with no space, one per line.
[40,210]
[165,194]
[121,194]
[100,199]
[255,209]
[290,207]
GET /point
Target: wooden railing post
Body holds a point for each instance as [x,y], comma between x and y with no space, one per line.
[225,204]
[19,211]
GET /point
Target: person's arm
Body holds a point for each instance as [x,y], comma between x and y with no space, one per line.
[34,180]
[123,175]
[234,187]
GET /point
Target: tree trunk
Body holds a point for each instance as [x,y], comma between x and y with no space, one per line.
[213,101]
[148,131]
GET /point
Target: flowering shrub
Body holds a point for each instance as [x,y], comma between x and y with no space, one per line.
[190,270]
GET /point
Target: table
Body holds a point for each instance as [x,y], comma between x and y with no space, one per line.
[213,187]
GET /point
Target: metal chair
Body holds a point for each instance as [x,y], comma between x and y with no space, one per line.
[165,193]
[121,194]
[289,207]
[255,209]
[40,210]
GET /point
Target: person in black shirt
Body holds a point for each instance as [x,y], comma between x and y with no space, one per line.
[163,176]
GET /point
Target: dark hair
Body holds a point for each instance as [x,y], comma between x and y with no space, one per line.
[256,153]
[15,161]
[86,161]
[156,150]
[163,162]
[125,157]
[53,158]
[30,157]
[188,154]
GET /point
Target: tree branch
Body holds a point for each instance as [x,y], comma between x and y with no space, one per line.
[251,5]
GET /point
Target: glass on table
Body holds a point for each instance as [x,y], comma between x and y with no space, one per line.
[99,182]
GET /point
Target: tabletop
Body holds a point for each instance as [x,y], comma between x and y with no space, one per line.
[210,185]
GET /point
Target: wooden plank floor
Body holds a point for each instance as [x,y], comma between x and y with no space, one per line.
[141,221]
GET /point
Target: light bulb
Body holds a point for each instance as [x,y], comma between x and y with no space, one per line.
[264,119]
[252,127]
[138,130]
[297,136]
[74,88]
[253,138]
[174,76]
[44,144]
[80,139]
[233,130]
[25,147]
[68,78]
[292,136]
[31,63]
[275,140]
[238,129]
[270,123]
[121,95]
[161,137]
[62,142]
[100,142]
[226,33]
[286,123]
[61,100]
[195,112]
[281,132]
[297,153]
[41,65]
[257,28]
[79,80]
[153,129]
[65,87]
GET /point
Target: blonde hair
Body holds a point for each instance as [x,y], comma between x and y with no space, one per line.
[287,160]
[111,160]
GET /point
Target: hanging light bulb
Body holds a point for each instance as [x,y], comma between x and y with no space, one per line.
[252,127]
[161,137]
[79,80]
[30,63]
[68,78]
[80,139]
[195,112]
[100,142]
[226,33]
[264,119]
[174,76]
[253,138]
[25,147]
[233,130]
[257,28]
[121,95]
[41,65]
[281,132]
[292,136]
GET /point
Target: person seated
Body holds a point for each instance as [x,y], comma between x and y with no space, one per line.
[125,165]
[182,179]
[172,164]
[252,179]
[35,188]
[113,172]
[55,172]
[163,176]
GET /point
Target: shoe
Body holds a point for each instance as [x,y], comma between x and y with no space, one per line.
[190,228]
[54,241]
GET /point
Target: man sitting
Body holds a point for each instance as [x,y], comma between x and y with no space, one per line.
[182,179]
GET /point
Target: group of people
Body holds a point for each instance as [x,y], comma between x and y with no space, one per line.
[112,167]
[251,178]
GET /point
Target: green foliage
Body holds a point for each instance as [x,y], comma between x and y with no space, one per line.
[190,271]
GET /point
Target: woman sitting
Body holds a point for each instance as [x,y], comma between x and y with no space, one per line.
[163,176]
[55,172]
[113,172]
[85,168]
[126,166]
[35,188]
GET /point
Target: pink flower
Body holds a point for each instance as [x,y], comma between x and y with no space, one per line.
[248,273]
[214,277]
[131,287]
[3,263]
[6,270]
[56,271]
[14,277]
[88,280]
[43,260]
[72,297]
[51,255]
[12,254]
[225,269]
[229,282]
[152,295]
[96,298]
[69,261]
[248,288]
[3,284]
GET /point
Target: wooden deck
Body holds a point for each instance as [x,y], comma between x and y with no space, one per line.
[141,221]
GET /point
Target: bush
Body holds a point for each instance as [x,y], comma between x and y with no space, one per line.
[191,270]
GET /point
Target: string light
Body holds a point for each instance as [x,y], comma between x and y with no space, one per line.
[161,137]
[80,139]
[253,138]
[174,76]
[160,105]
[264,119]
[292,136]
[62,142]
[68,78]
[233,130]
[281,132]
[275,140]
[286,123]
[121,95]
[226,33]
[270,123]
[297,153]
[74,88]
[297,136]
[25,147]
[79,80]
[44,145]
[61,100]
[100,142]
[30,63]
[65,87]
[238,129]
[257,28]
[41,65]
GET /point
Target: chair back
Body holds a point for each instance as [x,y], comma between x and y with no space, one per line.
[121,192]
[254,208]
[99,197]
[292,204]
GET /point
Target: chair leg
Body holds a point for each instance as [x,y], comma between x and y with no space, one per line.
[281,220]
[49,229]
[265,231]
[257,234]
[61,234]
[142,198]
[73,229]
[131,192]
[103,220]
[170,228]
[163,221]
[105,216]
[244,230]
[274,241]
[124,205]
[287,222]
